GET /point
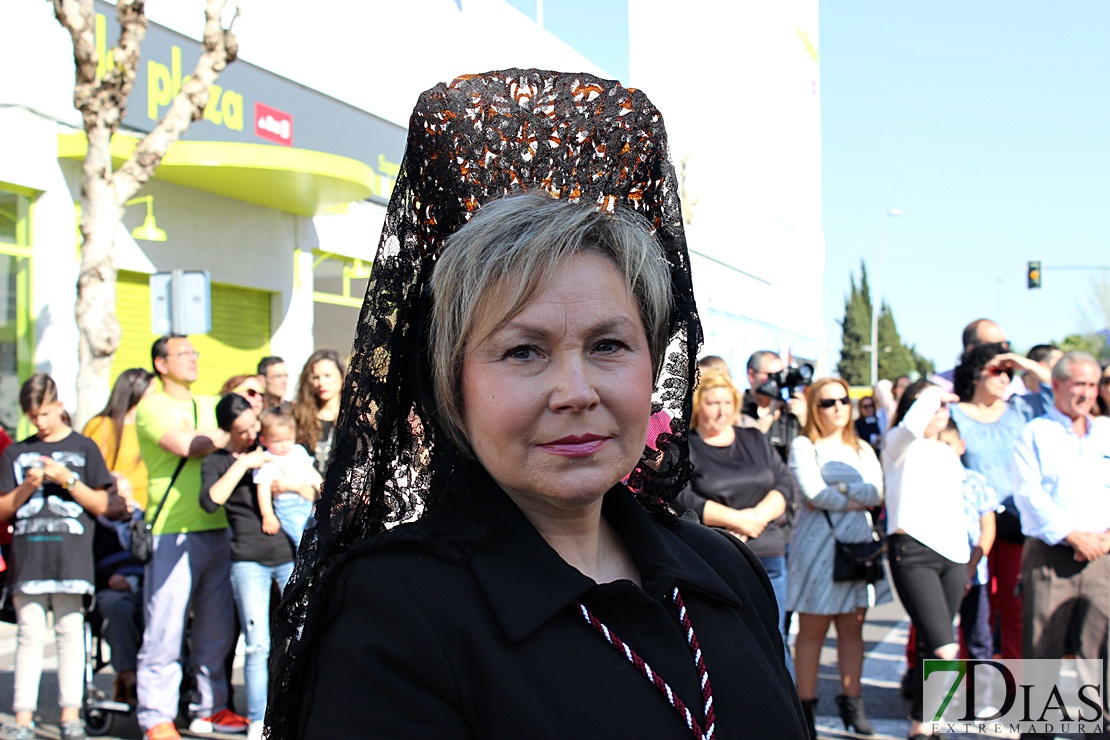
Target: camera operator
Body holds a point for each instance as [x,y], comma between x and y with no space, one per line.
[778,414]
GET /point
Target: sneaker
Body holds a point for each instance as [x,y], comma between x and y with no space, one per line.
[163,731]
[224,720]
[254,732]
[19,732]
[73,729]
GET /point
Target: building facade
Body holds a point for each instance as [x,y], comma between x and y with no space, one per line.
[279,193]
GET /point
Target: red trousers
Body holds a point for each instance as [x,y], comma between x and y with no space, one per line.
[1005,566]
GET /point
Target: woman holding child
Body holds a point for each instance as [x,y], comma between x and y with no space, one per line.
[258,559]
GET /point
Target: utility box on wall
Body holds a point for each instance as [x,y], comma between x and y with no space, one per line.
[181,302]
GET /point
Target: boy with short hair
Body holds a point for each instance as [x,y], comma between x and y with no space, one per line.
[54,483]
[290,472]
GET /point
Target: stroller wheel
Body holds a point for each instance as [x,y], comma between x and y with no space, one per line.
[97,721]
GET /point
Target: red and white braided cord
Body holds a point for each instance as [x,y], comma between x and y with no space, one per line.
[641,665]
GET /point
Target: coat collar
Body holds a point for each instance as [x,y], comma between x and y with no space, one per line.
[527,583]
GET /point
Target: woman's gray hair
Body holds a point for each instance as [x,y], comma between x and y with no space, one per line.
[510,250]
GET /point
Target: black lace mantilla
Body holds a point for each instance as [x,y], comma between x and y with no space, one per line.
[470,142]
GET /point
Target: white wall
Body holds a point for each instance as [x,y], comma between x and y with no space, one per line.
[739,89]
[380,55]
[738,85]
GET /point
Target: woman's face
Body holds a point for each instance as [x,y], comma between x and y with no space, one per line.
[556,402]
[867,407]
[937,424]
[252,390]
[243,432]
[834,409]
[325,380]
[1104,386]
[994,378]
[716,410]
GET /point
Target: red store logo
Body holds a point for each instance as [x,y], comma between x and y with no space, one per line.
[273,125]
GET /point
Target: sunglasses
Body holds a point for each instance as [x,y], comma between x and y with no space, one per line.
[250,392]
[828,403]
[1105,381]
[999,370]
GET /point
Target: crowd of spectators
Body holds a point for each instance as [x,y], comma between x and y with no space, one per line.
[991,492]
[985,478]
[228,491]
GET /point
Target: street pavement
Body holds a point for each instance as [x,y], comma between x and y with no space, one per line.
[123,726]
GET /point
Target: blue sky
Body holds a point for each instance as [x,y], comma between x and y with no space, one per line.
[988,124]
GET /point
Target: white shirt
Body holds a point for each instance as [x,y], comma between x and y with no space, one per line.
[1062,479]
[925,483]
[297,466]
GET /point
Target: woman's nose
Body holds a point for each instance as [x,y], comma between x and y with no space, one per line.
[573,388]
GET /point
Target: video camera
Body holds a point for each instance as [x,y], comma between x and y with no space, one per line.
[783,383]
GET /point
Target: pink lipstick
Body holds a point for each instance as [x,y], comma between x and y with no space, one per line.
[576,445]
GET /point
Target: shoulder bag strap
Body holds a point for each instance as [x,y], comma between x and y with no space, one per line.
[173,478]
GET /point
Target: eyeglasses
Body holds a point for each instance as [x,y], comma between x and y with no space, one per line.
[249,391]
[828,403]
[277,376]
[1105,381]
[999,370]
[185,353]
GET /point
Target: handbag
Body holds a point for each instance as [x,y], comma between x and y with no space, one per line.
[142,531]
[857,561]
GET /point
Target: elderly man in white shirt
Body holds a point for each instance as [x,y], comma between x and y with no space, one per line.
[1062,466]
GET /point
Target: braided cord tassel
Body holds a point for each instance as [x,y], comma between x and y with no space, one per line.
[699,659]
[672,698]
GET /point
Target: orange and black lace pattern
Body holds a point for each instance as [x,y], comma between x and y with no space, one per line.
[470,142]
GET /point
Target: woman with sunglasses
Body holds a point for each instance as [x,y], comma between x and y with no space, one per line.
[841,481]
[989,426]
[867,425]
[249,387]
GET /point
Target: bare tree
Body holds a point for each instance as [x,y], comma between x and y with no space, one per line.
[102,103]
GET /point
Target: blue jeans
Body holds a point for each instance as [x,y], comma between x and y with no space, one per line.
[292,510]
[776,571]
[251,583]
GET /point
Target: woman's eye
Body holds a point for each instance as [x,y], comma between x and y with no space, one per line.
[522,352]
[610,345]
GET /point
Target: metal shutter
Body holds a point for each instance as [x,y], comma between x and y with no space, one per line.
[240,331]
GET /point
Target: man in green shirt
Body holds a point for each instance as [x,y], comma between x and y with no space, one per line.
[191,565]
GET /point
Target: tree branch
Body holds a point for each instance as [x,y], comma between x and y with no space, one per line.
[220,48]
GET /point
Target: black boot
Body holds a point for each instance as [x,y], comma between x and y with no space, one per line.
[851,713]
[809,708]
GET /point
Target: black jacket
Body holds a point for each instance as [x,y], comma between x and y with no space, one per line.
[492,645]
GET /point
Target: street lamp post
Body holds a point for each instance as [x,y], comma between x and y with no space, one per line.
[876,297]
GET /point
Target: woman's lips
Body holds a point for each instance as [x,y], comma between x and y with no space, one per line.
[575,446]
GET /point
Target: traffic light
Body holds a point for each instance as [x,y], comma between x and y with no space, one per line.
[1034,274]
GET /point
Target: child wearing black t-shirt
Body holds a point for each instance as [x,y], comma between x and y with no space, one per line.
[54,483]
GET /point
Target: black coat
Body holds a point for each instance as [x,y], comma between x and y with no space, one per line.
[492,645]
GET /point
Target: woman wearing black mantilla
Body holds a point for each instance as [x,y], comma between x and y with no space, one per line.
[494,555]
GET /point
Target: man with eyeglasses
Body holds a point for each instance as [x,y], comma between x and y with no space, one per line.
[272,372]
[190,568]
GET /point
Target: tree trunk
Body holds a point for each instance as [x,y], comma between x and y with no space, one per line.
[105,192]
[95,311]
